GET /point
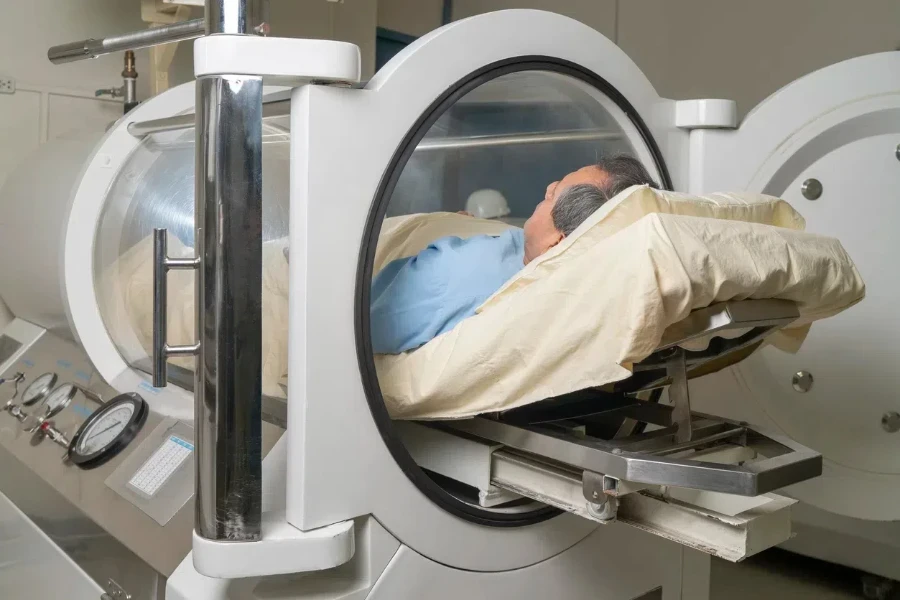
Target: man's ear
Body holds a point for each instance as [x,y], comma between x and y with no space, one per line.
[558,236]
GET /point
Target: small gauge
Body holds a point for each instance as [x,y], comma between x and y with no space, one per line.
[108,430]
[58,399]
[38,389]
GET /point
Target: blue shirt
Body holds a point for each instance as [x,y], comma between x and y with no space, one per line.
[418,298]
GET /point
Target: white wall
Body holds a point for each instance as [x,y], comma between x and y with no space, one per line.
[738,49]
[349,21]
[28,29]
[747,50]
[412,17]
[599,14]
[53,100]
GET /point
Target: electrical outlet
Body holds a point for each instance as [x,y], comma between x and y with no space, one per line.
[7,85]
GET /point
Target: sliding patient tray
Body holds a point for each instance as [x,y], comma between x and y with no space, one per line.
[617,454]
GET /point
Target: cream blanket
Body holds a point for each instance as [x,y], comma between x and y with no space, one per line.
[577,317]
[586,318]
[583,313]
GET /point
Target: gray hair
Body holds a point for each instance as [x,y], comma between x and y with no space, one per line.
[577,203]
[623,171]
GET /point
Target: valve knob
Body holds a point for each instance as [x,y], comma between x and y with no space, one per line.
[48,429]
[16,411]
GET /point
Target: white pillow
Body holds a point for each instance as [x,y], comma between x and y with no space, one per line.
[636,202]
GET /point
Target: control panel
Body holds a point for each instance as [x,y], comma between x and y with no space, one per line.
[122,464]
[128,468]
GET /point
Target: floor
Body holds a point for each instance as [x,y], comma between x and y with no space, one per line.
[778,574]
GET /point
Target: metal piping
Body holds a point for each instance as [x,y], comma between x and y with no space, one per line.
[92,48]
[228,385]
[277,108]
[514,139]
[129,76]
[281,108]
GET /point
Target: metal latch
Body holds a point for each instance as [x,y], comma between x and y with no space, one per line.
[114,591]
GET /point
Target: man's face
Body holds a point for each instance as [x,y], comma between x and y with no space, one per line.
[540,232]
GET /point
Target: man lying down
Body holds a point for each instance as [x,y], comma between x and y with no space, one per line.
[417,298]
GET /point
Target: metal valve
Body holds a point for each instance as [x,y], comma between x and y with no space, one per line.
[38,423]
[114,92]
[12,408]
[48,429]
[16,411]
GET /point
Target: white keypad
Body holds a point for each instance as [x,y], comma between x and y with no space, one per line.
[160,466]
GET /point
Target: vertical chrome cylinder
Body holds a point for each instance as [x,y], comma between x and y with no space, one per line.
[130,91]
[228,390]
[234,16]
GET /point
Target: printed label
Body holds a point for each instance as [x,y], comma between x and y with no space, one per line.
[161,464]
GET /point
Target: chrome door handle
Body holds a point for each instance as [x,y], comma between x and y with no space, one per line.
[162,264]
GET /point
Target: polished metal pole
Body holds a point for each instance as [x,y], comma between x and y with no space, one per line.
[92,48]
[228,386]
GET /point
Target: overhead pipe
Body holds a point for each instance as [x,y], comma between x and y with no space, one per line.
[154,36]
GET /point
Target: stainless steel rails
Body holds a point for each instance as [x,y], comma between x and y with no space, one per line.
[646,458]
[730,527]
[758,317]
[280,108]
[662,456]
[274,108]
[91,48]
[515,139]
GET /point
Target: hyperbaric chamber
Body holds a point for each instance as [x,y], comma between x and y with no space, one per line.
[515,133]
[512,130]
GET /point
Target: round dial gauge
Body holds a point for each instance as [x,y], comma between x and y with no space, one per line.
[58,399]
[38,389]
[108,430]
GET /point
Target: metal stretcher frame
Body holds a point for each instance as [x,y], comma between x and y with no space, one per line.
[658,457]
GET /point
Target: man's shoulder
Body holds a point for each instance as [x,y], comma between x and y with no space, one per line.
[478,243]
[477,254]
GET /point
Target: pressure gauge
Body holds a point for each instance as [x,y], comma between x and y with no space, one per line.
[108,430]
[58,399]
[38,389]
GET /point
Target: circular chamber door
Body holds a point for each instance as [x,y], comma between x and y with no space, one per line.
[829,144]
[155,188]
[496,123]
[505,134]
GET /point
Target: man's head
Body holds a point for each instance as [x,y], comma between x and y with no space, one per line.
[575,197]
